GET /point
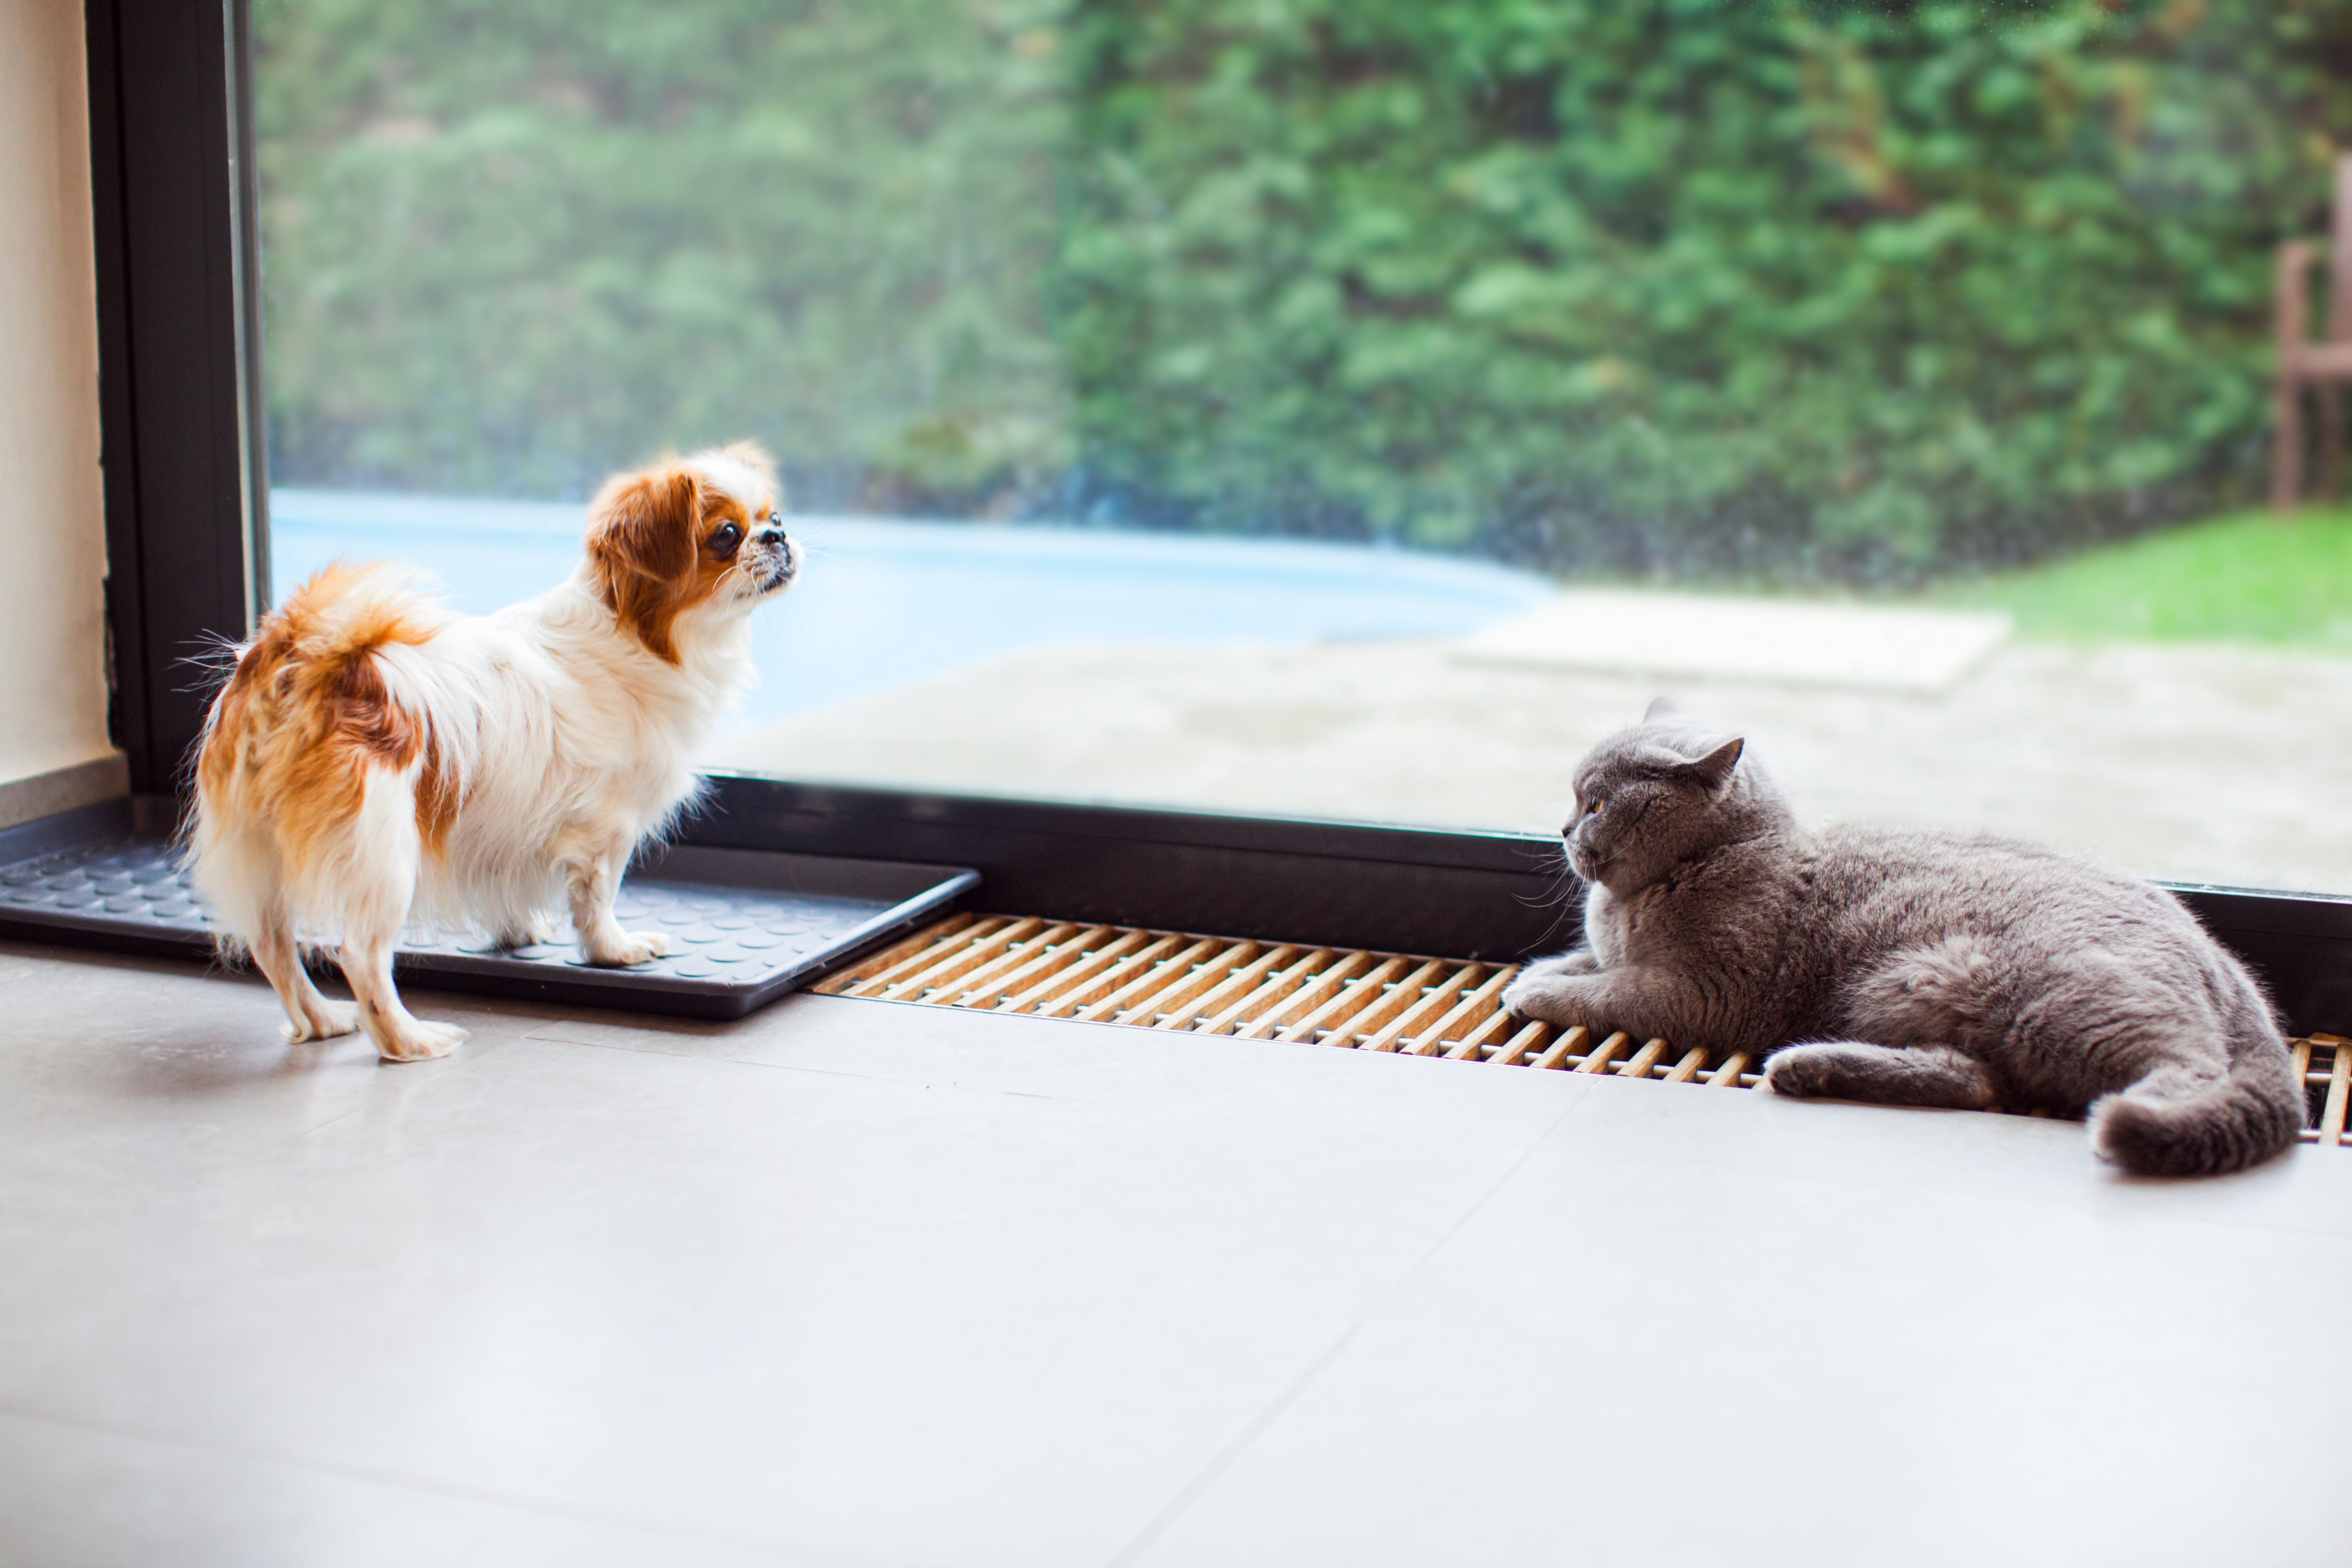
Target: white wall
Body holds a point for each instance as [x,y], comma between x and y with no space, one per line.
[52,522]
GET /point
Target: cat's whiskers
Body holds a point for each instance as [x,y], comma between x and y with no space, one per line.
[1562,894]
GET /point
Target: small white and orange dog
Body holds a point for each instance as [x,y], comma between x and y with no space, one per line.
[375,755]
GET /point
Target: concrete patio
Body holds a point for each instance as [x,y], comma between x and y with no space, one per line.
[2200,763]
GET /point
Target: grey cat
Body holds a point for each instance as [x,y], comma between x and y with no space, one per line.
[1945,969]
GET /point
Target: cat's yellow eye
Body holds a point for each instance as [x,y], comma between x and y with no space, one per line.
[1592,805]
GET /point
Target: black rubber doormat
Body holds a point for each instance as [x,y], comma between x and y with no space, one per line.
[746,926]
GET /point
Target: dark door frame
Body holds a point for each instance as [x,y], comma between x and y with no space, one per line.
[172,191]
[187,541]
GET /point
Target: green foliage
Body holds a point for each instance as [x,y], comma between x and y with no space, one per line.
[2250,579]
[512,243]
[1682,285]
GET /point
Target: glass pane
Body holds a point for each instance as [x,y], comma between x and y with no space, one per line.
[1357,407]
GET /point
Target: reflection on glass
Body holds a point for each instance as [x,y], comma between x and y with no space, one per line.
[1356,407]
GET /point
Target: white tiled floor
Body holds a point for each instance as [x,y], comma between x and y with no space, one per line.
[856,1283]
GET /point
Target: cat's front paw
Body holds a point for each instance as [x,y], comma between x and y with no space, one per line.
[1578,961]
[1555,998]
[1804,1072]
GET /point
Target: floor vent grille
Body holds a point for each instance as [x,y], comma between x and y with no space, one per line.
[1333,996]
[1251,990]
[2323,1062]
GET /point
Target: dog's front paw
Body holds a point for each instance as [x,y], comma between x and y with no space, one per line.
[415,1040]
[1552,998]
[625,948]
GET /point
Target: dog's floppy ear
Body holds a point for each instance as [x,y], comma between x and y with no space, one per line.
[641,544]
[645,523]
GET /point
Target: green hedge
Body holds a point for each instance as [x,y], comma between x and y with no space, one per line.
[510,244]
[1688,287]
[1653,285]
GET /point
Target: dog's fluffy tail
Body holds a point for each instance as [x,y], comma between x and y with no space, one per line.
[2163,1126]
[309,718]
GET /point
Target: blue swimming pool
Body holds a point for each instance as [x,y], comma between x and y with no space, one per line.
[887,603]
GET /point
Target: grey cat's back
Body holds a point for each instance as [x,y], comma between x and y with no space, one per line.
[1877,886]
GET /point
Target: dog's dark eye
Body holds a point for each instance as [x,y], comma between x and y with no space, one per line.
[724,543]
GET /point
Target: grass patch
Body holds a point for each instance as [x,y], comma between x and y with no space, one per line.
[2254,578]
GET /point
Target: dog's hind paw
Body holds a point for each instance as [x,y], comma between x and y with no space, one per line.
[325,1020]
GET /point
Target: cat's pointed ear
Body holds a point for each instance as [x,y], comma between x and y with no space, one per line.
[1712,768]
[1659,707]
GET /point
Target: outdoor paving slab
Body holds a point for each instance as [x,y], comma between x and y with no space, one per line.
[1716,637]
[2197,763]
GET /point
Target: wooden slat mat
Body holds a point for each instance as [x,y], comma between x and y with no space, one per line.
[1252,990]
[2325,1064]
[1333,996]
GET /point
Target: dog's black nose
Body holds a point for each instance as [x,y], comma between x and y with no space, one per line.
[772,538]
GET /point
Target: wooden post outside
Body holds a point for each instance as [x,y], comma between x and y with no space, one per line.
[2294,330]
[2330,414]
[2339,328]
[2339,258]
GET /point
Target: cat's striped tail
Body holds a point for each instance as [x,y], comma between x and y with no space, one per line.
[2166,1126]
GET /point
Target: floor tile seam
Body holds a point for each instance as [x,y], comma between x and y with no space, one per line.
[884,1077]
[1145,1103]
[18,950]
[684,1061]
[317,1127]
[1648,1166]
[1194,1488]
[2267,1228]
[537,1038]
[2021,1203]
[374,1476]
[444,1070]
[2096,1173]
